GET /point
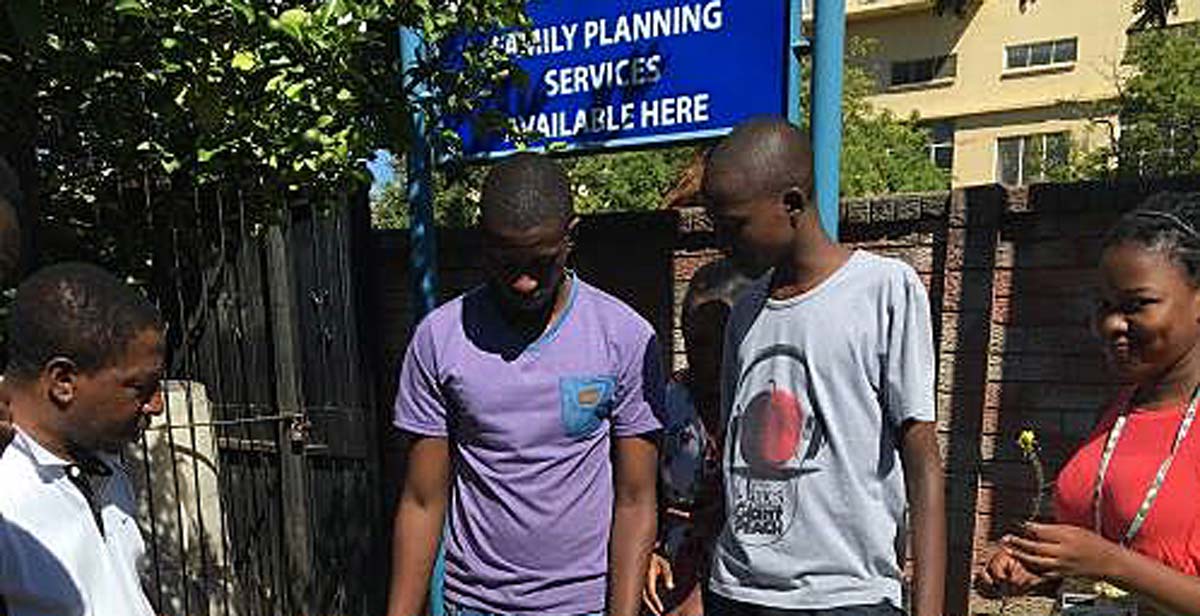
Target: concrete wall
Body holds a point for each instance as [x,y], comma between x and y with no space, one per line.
[180,509]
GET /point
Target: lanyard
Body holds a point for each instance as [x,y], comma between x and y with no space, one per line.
[1110,447]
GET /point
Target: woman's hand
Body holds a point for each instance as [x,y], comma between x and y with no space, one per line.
[1061,550]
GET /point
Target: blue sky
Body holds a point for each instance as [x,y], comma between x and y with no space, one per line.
[381,170]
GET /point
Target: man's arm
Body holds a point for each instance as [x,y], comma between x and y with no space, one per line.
[925,483]
[418,524]
[634,522]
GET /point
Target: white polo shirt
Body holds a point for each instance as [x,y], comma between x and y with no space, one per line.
[53,558]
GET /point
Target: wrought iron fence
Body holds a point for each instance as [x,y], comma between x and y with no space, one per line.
[259,484]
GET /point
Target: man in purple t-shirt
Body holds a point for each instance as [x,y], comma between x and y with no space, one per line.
[531,404]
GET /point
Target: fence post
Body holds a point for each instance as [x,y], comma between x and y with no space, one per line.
[294,511]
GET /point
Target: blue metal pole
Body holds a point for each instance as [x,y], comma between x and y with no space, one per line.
[420,182]
[798,45]
[829,37]
[422,235]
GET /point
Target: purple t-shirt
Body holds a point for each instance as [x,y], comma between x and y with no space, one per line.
[530,433]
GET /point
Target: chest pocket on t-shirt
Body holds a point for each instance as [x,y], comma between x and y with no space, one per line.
[586,403]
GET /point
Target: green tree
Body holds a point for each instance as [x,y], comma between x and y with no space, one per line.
[279,96]
[627,180]
[1154,13]
[881,153]
[1157,110]
[1159,104]
[607,182]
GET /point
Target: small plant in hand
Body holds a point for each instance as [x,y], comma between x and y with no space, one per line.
[1027,442]
[1031,451]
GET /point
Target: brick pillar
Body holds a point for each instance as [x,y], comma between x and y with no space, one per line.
[972,229]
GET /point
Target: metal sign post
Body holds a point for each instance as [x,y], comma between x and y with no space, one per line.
[422,232]
[419,176]
[828,51]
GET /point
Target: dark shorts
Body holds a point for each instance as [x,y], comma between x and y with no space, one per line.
[716,605]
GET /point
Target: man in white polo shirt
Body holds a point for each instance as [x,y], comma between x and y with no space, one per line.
[85,362]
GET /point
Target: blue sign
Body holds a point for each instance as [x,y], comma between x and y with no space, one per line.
[618,73]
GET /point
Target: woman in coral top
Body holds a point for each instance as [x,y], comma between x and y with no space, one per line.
[1128,502]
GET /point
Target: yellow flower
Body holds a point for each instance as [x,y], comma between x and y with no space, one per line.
[1108,591]
[1027,442]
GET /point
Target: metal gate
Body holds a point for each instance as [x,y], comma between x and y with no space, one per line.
[259,484]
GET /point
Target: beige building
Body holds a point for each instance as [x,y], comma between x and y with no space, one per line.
[1004,86]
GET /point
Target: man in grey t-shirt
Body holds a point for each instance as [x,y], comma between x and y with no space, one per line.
[828,403]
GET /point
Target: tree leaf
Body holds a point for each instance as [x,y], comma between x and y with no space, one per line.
[133,8]
[245,9]
[293,22]
[244,61]
[293,91]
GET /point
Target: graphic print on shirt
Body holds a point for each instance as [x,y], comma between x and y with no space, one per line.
[586,403]
[773,432]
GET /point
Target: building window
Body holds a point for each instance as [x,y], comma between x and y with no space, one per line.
[924,70]
[1045,53]
[941,144]
[1031,158]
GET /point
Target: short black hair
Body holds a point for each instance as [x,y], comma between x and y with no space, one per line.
[761,156]
[526,190]
[1167,222]
[716,281]
[78,311]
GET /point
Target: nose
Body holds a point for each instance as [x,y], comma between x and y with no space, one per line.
[1110,324]
[524,284]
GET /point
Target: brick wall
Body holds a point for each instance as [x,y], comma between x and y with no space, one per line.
[1009,275]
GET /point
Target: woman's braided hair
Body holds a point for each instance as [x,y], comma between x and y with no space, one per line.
[1168,222]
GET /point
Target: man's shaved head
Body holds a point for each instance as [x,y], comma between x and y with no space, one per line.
[762,156]
[526,190]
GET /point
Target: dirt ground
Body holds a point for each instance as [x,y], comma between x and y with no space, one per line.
[1017,606]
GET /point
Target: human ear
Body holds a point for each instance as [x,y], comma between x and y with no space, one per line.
[572,226]
[795,200]
[62,375]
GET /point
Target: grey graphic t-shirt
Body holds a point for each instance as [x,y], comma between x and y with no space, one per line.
[816,388]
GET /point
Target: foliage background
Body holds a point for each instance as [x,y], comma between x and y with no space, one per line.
[280,98]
